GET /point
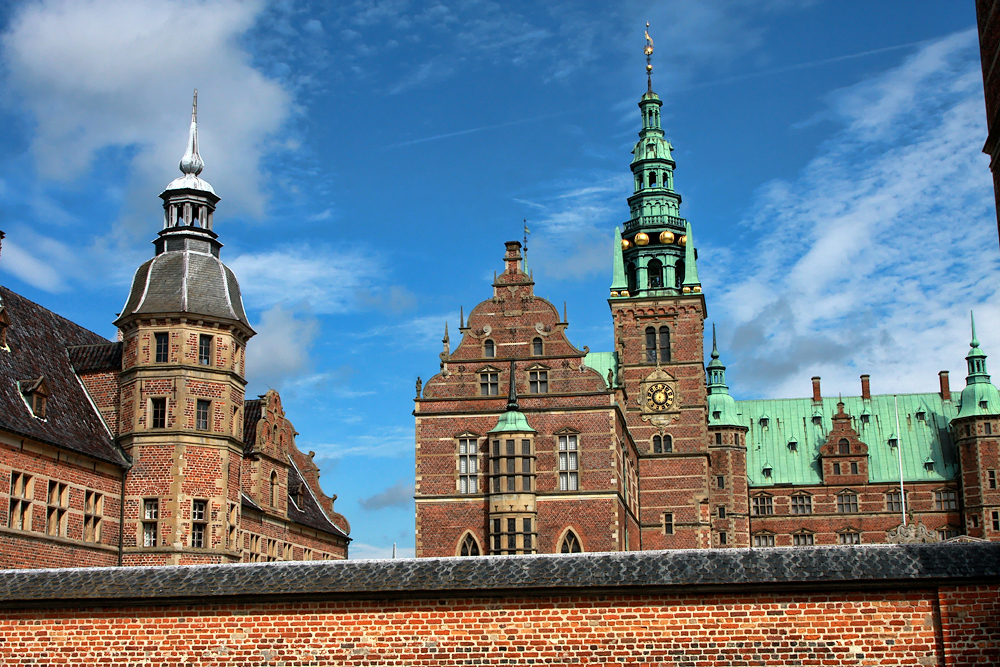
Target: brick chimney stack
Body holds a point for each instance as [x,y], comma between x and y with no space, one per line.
[866,390]
[817,397]
[945,386]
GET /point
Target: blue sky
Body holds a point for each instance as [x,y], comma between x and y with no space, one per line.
[373,157]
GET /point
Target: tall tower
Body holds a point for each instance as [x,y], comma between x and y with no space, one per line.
[182,385]
[659,312]
[976,429]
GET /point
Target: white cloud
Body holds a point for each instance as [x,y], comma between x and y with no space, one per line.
[33,270]
[381,442]
[280,349]
[870,260]
[119,73]
[329,281]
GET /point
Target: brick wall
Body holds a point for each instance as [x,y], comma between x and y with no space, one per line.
[875,605]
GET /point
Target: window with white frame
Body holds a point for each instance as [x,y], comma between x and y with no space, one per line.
[468,466]
[763,505]
[569,464]
[150,517]
[199,523]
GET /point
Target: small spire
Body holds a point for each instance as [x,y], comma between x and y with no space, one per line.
[512,405]
[192,163]
[975,341]
[445,332]
[690,261]
[565,319]
[461,317]
[715,347]
[649,56]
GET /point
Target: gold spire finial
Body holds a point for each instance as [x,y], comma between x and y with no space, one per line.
[649,65]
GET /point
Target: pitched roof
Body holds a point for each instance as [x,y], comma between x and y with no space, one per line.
[93,358]
[792,419]
[251,415]
[37,342]
[309,513]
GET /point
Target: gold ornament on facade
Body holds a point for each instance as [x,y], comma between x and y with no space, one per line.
[682,240]
[625,244]
[666,237]
[641,239]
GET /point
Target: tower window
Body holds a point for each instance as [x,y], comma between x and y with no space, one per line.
[150,515]
[536,347]
[205,350]
[664,344]
[718,438]
[538,382]
[162,347]
[158,408]
[652,179]
[722,539]
[722,511]
[679,274]
[992,478]
[650,345]
[720,481]
[199,520]
[489,349]
[489,384]
[630,277]
[668,523]
[654,273]
[657,444]
[204,408]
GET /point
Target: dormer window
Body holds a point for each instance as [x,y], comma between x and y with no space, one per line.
[818,420]
[865,418]
[921,415]
[295,494]
[929,465]
[893,442]
[36,394]
[766,472]
[843,447]
[983,405]
[793,446]
[764,421]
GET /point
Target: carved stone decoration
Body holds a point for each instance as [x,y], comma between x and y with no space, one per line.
[658,395]
[543,330]
[914,533]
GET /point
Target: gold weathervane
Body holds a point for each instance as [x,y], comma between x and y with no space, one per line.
[649,65]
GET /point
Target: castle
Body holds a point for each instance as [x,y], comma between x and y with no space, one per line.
[526,444]
[145,451]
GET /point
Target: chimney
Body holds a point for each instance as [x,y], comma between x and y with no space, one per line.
[817,397]
[945,387]
[866,390]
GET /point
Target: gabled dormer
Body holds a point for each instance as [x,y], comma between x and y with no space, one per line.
[844,457]
[36,395]
[4,324]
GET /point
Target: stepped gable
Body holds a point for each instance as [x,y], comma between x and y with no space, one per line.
[505,327]
[37,342]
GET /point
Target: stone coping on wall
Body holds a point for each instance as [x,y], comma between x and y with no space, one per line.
[895,566]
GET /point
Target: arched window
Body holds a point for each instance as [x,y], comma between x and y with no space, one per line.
[650,345]
[664,344]
[489,349]
[655,272]
[470,547]
[274,489]
[843,447]
[570,544]
[668,444]
[652,179]
[630,275]
[536,347]
[679,274]
[657,444]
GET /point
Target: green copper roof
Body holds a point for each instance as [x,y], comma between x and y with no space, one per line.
[511,422]
[792,420]
[618,281]
[979,397]
[602,362]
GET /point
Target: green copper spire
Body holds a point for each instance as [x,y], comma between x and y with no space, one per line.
[654,259]
[513,420]
[721,406]
[618,283]
[691,265]
[979,397]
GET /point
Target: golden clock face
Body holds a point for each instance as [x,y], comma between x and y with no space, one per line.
[659,396]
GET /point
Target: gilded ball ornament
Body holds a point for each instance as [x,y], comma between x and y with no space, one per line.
[625,244]
[682,240]
[666,237]
[641,239]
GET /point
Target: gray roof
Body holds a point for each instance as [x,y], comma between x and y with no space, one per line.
[804,568]
[186,277]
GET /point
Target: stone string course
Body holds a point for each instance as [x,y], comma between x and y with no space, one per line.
[869,605]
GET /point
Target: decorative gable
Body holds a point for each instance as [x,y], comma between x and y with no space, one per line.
[844,457]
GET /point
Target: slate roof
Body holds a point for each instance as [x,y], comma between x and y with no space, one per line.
[309,513]
[251,415]
[792,419]
[38,341]
[804,568]
[93,358]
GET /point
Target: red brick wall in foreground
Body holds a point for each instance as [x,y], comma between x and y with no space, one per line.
[947,625]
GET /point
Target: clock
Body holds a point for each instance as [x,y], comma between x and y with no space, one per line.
[659,396]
